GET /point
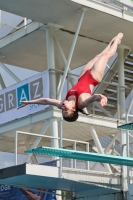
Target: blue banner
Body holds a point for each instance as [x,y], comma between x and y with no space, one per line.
[30,89]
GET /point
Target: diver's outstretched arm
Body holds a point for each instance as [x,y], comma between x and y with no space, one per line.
[43,101]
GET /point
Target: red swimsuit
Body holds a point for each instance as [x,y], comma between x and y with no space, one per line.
[82,86]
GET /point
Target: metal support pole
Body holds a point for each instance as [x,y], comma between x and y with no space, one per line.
[38,140]
[62,57]
[33,157]
[121,82]
[71,53]
[118,103]
[0,17]
[87,149]
[128,153]
[58,81]
[10,73]
[16,142]
[60,173]
[71,163]
[25,21]
[54,132]
[74,160]
[2,82]
[127,138]
[68,82]
[55,142]
[51,65]
[130,106]
[51,61]
[61,132]
[0,23]
[98,145]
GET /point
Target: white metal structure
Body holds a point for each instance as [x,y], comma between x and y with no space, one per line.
[60,24]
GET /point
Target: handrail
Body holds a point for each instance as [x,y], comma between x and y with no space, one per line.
[51,137]
[117,4]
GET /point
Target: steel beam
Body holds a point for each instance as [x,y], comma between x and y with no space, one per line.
[121,82]
[54,132]
[107,148]
[71,53]
[64,60]
[33,157]
[55,143]
[20,33]
[10,72]
[103,109]
[2,82]
[130,106]
[98,145]
[42,132]
[51,61]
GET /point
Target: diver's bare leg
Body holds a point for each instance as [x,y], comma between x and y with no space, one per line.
[99,66]
[91,63]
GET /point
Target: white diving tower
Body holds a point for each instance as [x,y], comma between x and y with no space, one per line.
[63,35]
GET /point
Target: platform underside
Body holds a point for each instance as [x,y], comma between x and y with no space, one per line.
[97,29]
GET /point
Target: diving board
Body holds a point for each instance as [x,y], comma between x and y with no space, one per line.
[80,155]
[128,126]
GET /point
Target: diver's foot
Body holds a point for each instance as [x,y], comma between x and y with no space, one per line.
[119,37]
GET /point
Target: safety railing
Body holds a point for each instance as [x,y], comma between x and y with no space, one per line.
[129,140]
[60,140]
[118,4]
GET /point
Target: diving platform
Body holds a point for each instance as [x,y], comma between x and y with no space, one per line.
[79,155]
[38,176]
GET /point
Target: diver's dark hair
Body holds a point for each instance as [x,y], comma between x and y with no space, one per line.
[74,116]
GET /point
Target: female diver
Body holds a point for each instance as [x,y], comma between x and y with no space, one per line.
[80,95]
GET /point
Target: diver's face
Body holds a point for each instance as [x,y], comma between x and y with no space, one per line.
[67,108]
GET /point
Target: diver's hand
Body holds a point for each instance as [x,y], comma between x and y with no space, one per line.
[103,101]
[24,103]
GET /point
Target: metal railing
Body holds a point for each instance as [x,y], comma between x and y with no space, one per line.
[60,139]
[118,4]
[129,171]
